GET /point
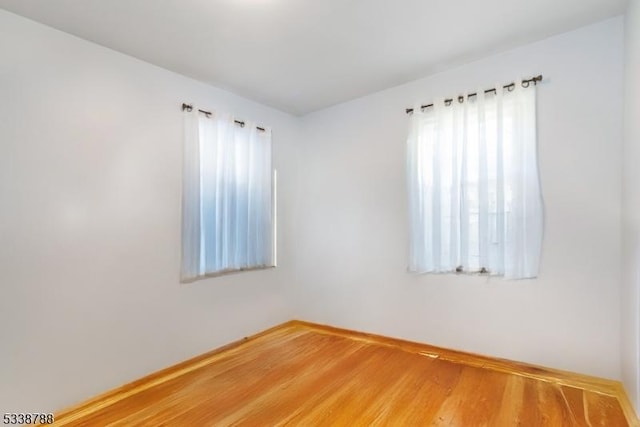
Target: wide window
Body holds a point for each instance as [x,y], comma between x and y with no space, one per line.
[227,203]
[474,191]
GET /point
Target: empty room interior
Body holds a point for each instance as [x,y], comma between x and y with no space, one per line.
[320,213]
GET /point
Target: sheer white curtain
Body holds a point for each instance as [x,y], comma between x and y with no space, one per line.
[474,193]
[227,205]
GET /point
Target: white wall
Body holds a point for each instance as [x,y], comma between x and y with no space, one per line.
[631,208]
[353,231]
[90,176]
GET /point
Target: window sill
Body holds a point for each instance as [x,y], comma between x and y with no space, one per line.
[226,273]
[456,273]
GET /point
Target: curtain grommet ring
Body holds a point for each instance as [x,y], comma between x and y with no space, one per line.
[460,99]
[447,102]
[525,83]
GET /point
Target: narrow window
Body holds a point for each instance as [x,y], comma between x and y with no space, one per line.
[227,202]
[474,192]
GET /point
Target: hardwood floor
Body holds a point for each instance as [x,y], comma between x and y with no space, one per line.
[302,374]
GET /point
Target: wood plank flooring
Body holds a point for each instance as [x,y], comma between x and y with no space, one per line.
[301,374]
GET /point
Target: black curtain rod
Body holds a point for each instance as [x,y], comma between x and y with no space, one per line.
[509,87]
[209,113]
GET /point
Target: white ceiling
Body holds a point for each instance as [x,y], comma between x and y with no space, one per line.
[303,55]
